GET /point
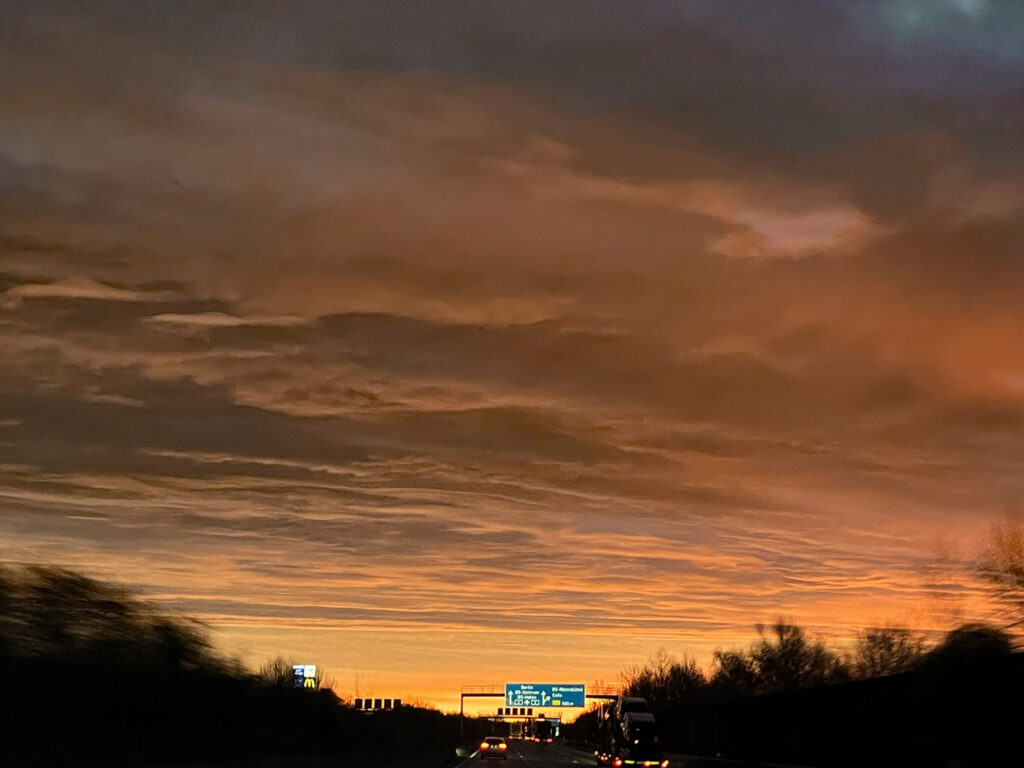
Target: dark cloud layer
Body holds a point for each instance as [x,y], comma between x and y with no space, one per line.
[372,317]
[784,75]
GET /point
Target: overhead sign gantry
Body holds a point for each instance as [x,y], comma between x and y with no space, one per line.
[525,696]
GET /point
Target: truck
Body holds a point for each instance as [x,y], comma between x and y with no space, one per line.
[628,736]
[543,732]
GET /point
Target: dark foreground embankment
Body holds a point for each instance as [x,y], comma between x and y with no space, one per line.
[962,712]
[92,676]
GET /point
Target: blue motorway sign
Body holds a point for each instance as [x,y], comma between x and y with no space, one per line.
[544,694]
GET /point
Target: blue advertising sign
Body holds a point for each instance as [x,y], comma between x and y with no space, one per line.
[545,694]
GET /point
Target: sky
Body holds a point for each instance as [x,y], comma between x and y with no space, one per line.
[462,343]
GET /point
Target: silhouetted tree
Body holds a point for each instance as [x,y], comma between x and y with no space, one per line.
[775,702]
[1002,566]
[664,681]
[684,679]
[782,661]
[971,644]
[276,673]
[886,651]
[51,612]
[788,662]
[733,673]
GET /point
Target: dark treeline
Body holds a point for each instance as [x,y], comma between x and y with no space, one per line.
[893,701]
[91,675]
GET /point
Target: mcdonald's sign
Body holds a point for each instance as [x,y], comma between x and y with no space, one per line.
[304,675]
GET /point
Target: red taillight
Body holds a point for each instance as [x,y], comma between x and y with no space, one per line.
[503,746]
[617,762]
[664,764]
[484,745]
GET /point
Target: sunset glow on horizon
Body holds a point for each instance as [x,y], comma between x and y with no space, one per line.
[504,341]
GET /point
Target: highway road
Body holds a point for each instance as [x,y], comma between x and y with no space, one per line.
[558,756]
[536,755]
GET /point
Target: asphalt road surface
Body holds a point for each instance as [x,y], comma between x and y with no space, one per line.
[537,755]
[558,756]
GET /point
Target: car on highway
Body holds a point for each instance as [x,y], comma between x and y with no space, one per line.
[493,746]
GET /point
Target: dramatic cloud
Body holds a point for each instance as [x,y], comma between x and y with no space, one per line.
[530,329]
